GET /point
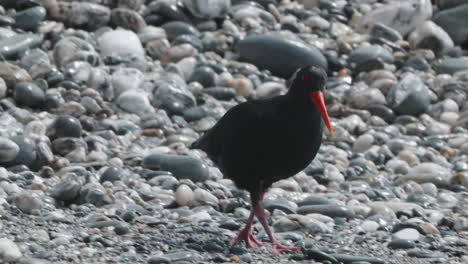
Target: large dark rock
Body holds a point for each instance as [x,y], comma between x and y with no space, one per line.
[281,56]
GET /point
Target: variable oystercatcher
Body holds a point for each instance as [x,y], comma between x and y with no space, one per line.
[259,142]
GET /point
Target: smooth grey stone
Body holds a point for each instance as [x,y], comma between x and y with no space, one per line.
[159,260]
[183,167]
[66,191]
[372,52]
[28,203]
[401,244]
[9,251]
[64,126]
[205,75]
[111,174]
[221,93]
[26,155]
[176,28]
[430,36]
[29,94]
[8,149]
[207,9]
[410,96]
[383,112]
[179,256]
[289,54]
[280,204]
[173,98]
[454,21]
[11,46]
[417,63]
[30,18]
[452,65]
[189,39]
[314,199]
[94,194]
[444,4]
[407,234]
[134,101]
[320,256]
[328,210]
[349,259]
[380,30]
[421,253]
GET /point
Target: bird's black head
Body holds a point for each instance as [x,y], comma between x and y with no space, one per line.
[309,82]
[309,79]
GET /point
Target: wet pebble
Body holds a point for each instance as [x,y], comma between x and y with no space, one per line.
[29,94]
[65,126]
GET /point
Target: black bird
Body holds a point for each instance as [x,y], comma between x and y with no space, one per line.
[259,142]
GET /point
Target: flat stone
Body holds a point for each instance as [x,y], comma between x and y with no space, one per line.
[401,244]
[11,46]
[452,65]
[409,234]
[183,167]
[328,210]
[367,53]
[349,259]
[289,55]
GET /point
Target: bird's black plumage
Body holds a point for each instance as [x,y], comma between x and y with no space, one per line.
[259,142]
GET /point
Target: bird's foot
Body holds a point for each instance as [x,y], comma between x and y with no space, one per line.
[250,240]
[278,248]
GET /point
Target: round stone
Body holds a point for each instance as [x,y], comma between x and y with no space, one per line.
[410,96]
[207,9]
[184,195]
[9,251]
[111,174]
[206,76]
[27,152]
[28,203]
[65,126]
[29,94]
[8,149]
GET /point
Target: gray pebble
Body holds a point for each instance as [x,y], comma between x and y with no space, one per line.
[8,149]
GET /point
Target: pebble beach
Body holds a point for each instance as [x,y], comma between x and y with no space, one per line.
[100,101]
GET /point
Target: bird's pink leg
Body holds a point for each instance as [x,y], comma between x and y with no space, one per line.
[246,234]
[277,247]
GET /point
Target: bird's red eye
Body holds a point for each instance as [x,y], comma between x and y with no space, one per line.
[304,77]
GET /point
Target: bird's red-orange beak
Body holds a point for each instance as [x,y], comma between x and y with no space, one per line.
[317,99]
